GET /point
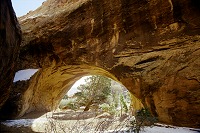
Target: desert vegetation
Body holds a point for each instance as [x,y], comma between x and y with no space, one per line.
[98,94]
[100,105]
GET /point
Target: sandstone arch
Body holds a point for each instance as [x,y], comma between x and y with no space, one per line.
[49,85]
[152,47]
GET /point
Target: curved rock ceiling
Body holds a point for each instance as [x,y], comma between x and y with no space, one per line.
[151,46]
[49,86]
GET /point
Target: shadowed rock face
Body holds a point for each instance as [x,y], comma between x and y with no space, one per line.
[151,46]
[10,39]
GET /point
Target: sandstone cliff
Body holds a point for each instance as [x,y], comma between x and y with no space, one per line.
[151,46]
[10,39]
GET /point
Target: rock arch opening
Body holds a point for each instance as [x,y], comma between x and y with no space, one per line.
[98,93]
[93,101]
[47,86]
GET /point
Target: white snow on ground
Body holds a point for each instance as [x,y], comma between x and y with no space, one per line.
[155,129]
[24,74]
[24,122]
[18,123]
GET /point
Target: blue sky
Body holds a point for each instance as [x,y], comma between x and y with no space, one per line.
[22,7]
[24,74]
[74,87]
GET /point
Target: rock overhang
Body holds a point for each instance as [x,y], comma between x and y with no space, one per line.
[151,46]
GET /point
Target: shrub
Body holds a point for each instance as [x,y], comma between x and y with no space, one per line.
[107,108]
[68,104]
[143,118]
[124,105]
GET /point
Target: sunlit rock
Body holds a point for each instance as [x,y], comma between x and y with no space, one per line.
[151,46]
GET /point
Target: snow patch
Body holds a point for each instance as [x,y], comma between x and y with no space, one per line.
[24,122]
[39,123]
[24,74]
[156,129]
[18,123]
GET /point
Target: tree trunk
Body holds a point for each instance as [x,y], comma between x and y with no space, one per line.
[87,107]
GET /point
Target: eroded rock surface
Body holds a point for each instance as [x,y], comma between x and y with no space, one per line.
[151,46]
[10,39]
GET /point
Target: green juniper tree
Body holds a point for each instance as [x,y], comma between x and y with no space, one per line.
[94,92]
